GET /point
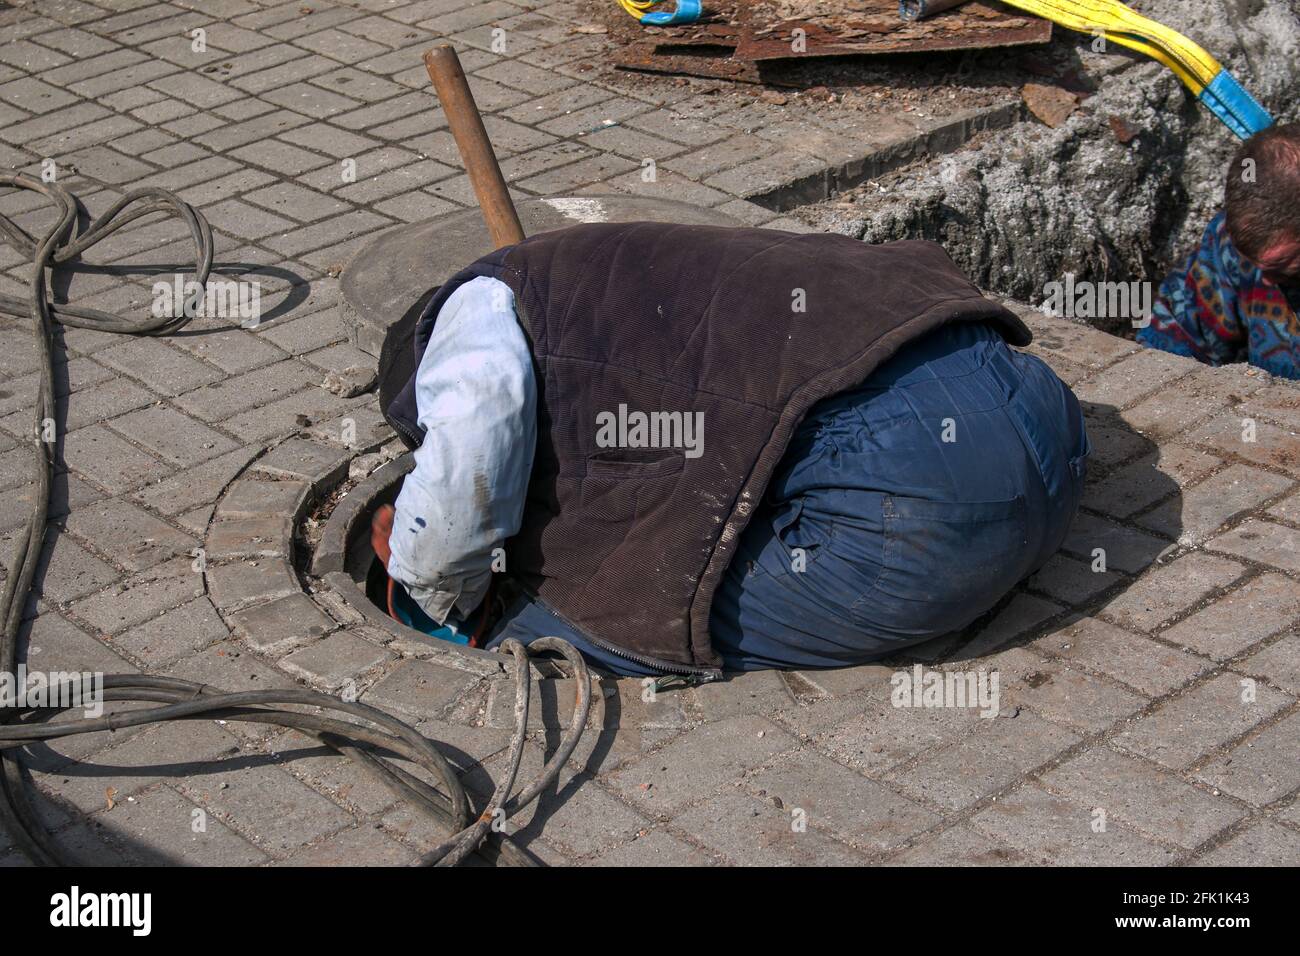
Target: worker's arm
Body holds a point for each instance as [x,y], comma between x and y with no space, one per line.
[477,400]
[1196,312]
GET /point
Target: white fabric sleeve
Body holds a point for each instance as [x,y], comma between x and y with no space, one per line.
[477,400]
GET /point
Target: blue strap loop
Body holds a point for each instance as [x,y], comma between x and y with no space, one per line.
[688,11]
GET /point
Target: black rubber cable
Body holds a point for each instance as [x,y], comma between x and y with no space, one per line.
[370,738]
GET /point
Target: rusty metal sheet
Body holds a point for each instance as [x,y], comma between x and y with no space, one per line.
[710,61]
[703,49]
[842,27]
[738,36]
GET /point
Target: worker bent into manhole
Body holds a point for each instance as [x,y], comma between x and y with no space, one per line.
[1237,297]
[696,447]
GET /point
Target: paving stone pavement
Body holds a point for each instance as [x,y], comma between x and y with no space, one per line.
[1149,675]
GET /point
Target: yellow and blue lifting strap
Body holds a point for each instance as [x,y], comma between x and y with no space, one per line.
[687,11]
[1199,72]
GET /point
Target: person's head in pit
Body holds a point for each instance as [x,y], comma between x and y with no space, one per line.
[1263,202]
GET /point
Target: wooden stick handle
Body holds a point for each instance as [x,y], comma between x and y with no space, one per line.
[475,147]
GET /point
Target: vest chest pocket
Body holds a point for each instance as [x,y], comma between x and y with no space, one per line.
[635,463]
[621,483]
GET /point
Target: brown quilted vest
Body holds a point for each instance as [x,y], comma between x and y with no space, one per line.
[746,327]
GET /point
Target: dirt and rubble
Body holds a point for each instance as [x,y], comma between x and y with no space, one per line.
[1118,190]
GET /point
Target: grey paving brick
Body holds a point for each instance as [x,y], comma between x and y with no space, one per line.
[195,89]
[303,459]
[767,175]
[282,625]
[755,692]
[310,332]
[425,690]
[333,661]
[174,437]
[109,460]
[52,643]
[1279,662]
[82,69]
[655,848]
[1288,509]
[359,846]
[691,767]
[1277,403]
[1113,444]
[248,222]
[135,539]
[837,800]
[310,100]
[281,158]
[231,395]
[1134,793]
[1259,608]
[398,182]
[984,761]
[226,665]
[960,846]
[350,225]
[137,74]
[1070,581]
[567,179]
[1261,769]
[1264,541]
[138,763]
[339,45]
[1073,698]
[266,536]
[104,401]
[1050,828]
[254,499]
[338,357]
[668,185]
[1166,590]
[162,109]
[730,152]
[1022,615]
[35,96]
[751,831]
[1184,729]
[198,485]
[1264,844]
[1204,508]
[162,828]
[67,491]
[1228,435]
[281,812]
[286,416]
[1146,665]
[174,634]
[297,202]
[1123,549]
[141,596]
[586,820]
[1148,480]
[244,582]
[1170,411]
[44,125]
[231,350]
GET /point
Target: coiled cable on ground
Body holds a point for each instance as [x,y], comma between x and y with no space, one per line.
[370,737]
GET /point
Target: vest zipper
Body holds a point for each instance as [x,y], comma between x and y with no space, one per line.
[703,675]
[399,427]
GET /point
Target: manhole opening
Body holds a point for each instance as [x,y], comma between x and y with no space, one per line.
[345,561]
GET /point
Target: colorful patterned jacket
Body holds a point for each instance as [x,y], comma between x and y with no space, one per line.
[1219,308]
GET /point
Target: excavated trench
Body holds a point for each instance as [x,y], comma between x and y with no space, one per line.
[1117,192]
